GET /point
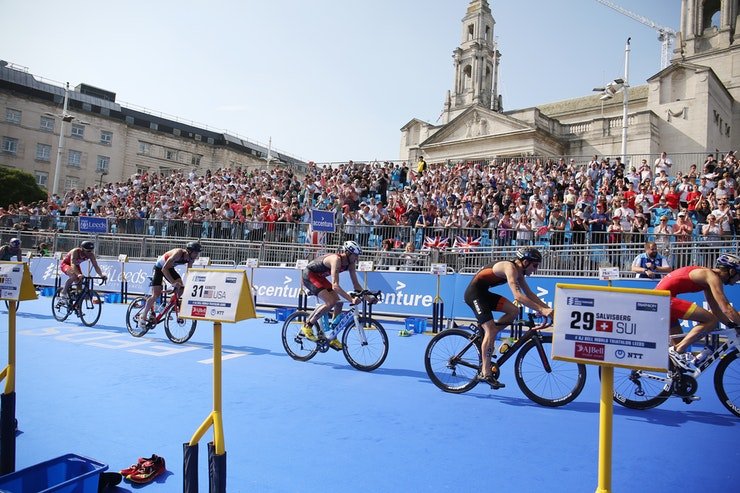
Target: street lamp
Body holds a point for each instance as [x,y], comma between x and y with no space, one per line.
[66,118]
[103,172]
[611,90]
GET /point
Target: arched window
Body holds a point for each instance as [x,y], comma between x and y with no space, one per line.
[711,14]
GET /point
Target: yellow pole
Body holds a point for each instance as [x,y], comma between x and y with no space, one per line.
[606,413]
[218,428]
[215,417]
[10,382]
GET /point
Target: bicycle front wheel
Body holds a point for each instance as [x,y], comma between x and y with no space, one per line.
[727,382]
[365,346]
[179,330]
[563,383]
[59,306]
[89,308]
[297,345]
[640,389]
[132,316]
[452,360]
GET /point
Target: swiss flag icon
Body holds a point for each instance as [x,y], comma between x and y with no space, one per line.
[603,326]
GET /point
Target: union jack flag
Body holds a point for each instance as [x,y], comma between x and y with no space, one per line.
[467,243]
[437,242]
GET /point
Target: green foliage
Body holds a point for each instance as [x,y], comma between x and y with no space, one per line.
[18,186]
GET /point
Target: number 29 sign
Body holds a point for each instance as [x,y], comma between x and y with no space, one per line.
[611,326]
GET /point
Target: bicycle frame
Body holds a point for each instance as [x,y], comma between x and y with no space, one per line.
[733,341]
[172,301]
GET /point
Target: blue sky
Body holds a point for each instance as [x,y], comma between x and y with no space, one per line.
[327,80]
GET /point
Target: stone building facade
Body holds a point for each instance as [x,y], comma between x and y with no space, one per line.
[104,141]
[691,106]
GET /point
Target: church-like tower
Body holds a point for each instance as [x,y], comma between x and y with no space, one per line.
[476,63]
[709,37]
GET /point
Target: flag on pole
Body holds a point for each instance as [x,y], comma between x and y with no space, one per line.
[437,243]
[467,243]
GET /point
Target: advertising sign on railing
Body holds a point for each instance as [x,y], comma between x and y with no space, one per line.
[95,225]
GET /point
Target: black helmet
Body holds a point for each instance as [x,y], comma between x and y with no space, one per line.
[193,246]
[88,246]
[728,261]
[529,253]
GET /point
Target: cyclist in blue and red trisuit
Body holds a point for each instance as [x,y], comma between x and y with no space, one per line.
[164,268]
[316,282]
[693,279]
[483,302]
[12,249]
[70,265]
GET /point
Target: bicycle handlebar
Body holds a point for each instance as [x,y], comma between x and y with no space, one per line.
[376,295]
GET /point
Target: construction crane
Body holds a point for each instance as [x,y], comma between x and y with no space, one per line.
[666,35]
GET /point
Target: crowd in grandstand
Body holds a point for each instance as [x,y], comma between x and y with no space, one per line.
[518,200]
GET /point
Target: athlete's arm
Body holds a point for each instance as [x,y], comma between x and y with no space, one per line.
[94,262]
[519,288]
[335,262]
[715,295]
[352,269]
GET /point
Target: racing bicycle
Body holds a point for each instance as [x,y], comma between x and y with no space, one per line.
[645,389]
[167,309]
[364,340]
[453,361]
[82,300]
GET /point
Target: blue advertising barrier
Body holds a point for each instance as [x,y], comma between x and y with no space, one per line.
[408,294]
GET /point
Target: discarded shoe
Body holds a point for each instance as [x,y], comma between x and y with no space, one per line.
[148,470]
[405,333]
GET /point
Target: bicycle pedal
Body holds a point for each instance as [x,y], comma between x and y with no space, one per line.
[690,399]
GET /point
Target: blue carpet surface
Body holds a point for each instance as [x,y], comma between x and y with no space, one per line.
[324,426]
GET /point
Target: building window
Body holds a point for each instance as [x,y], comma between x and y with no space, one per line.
[74,158]
[144,148]
[170,154]
[103,163]
[78,131]
[42,178]
[106,137]
[71,182]
[12,116]
[47,124]
[195,159]
[43,152]
[10,145]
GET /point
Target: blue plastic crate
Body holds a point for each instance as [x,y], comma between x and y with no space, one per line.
[68,473]
[282,314]
[416,325]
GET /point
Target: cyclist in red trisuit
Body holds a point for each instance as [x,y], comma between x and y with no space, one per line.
[483,302]
[71,265]
[693,279]
[316,282]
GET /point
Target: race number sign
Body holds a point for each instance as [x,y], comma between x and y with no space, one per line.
[439,269]
[611,326]
[217,295]
[15,282]
[365,266]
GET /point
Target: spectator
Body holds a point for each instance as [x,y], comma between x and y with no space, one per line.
[556,226]
[650,264]
[663,163]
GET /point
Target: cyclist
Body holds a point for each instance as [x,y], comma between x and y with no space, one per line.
[71,265]
[483,302]
[316,282]
[12,249]
[693,279]
[164,268]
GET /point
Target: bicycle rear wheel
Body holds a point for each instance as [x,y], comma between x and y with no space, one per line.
[727,382]
[90,307]
[563,383]
[60,306]
[366,346]
[298,346]
[640,389]
[179,330]
[452,360]
[132,316]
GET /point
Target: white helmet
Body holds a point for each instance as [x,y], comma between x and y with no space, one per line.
[352,247]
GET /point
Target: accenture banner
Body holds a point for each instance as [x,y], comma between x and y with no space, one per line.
[322,221]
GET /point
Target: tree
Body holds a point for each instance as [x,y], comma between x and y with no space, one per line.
[17,186]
